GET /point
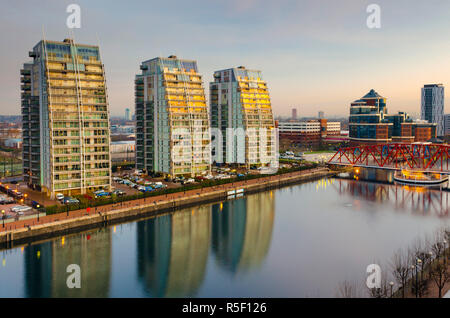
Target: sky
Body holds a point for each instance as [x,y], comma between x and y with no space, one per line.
[316,55]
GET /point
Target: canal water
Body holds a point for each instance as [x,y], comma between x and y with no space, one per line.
[301,241]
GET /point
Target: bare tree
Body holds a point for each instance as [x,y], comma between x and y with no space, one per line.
[401,270]
[383,290]
[438,246]
[347,289]
[440,275]
[421,285]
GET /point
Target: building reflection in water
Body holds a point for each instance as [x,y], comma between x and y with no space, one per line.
[242,231]
[173,251]
[46,265]
[421,200]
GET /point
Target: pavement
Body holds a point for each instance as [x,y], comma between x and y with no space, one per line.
[156,199]
[319,157]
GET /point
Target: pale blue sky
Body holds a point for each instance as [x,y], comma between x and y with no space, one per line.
[315,55]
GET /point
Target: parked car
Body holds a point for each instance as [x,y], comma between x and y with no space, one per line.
[6,200]
[141,188]
[188,181]
[102,194]
[59,196]
[20,208]
[69,200]
[118,193]
[36,205]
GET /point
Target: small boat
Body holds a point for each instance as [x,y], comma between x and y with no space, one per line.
[419,177]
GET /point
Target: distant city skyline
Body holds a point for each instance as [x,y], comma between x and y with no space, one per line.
[316,55]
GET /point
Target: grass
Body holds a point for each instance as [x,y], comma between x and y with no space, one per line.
[318,151]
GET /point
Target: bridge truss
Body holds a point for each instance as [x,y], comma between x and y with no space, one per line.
[396,156]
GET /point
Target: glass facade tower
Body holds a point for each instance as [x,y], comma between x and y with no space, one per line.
[241,118]
[432,108]
[367,122]
[172,120]
[65,116]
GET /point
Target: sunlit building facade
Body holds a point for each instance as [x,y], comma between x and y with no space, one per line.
[65,115]
[241,118]
[172,120]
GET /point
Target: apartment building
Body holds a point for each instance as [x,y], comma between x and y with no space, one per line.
[242,122]
[65,117]
[172,119]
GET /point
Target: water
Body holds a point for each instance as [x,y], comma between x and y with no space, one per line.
[300,241]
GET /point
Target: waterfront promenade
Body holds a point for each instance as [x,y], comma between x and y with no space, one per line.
[60,223]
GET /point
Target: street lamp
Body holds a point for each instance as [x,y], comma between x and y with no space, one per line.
[392,286]
[418,262]
[445,249]
[3,217]
[37,207]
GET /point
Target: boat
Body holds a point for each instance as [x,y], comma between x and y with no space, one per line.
[419,177]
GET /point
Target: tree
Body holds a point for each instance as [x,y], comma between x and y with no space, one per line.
[421,286]
[440,275]
[401,270]
[438,247]
[347,290]
[383,291]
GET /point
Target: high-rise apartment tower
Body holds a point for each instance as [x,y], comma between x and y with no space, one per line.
[66,136]
[172,120]
[242,122]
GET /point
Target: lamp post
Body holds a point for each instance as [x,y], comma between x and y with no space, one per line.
[430,254]
[3,217]
[445,251]
[37,207]
[418,262]
[392,287]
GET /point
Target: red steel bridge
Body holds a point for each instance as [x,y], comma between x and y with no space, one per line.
[426,157]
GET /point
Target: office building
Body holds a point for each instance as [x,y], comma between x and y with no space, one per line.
[367,123]
[294,113]
[432,108]
[307,134]
[241,118]
[447,124]
[370,123]
[66,142]
[127,114]
[172,120]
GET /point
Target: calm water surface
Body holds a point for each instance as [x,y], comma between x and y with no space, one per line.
[300,241]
